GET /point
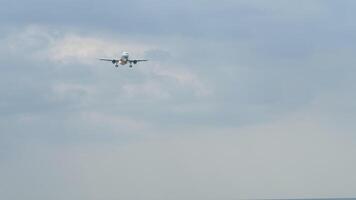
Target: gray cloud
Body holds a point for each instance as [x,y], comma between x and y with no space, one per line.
[240,99]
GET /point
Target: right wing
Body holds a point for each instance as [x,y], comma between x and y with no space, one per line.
[111,60]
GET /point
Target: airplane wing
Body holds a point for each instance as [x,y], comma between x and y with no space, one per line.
[136,61]
[111,60]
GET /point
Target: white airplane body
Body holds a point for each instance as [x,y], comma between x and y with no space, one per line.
[123,60]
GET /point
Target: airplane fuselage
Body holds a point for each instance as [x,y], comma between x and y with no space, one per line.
[124,58]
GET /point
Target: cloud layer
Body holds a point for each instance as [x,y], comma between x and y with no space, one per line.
[240,99]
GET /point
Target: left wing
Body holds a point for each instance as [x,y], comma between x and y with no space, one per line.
[136,61]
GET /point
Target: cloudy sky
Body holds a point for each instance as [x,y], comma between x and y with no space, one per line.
[240,99]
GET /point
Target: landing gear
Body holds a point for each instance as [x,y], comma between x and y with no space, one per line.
[131,66]
[116,65]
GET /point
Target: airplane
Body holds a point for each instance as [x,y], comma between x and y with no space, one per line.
[123,60]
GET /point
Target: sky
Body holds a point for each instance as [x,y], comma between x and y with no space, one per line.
[240,99]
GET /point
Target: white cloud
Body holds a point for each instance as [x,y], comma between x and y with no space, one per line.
[165,81]
[184,78]
[65,47]
[76,48]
